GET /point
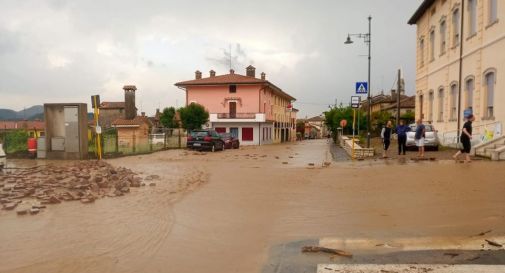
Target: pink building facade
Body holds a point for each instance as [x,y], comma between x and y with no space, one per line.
[252,109]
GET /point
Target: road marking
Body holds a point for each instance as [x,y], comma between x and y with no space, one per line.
[408,268]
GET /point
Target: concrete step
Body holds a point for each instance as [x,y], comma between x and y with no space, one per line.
[409,268]
[499,146]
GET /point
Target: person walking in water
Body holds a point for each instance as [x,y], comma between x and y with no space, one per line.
[466,139]
[401,131]
[419,137]
[386,137]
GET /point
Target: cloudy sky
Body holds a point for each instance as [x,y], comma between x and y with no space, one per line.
[65,51]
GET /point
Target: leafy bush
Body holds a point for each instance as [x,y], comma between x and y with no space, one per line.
[16,141]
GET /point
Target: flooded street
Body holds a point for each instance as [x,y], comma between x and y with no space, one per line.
[250,210]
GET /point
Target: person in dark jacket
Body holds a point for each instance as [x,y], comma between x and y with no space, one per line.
[401,131]
[386,137]
[466,139]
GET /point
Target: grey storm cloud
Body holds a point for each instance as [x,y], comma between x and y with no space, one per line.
[58,50]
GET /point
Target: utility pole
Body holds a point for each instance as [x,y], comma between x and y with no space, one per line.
[398,96]
[369,98]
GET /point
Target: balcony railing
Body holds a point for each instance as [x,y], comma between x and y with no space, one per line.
[236,116]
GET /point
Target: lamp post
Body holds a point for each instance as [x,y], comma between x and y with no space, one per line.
[367,37]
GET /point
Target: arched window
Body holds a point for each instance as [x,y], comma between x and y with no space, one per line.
[440,104]
[455,27]
[421,51]
[493,11]
[443,31]
[430,101]
[454,101]
[469,90]
[490,82]
[472,17]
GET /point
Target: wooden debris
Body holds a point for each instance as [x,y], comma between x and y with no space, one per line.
[482,233]
[338,252]
[493,243]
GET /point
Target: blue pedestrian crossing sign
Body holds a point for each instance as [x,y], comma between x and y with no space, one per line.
[361,87]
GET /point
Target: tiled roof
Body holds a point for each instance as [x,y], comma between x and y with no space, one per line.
[316,118]
[112,105]
[223,79]
[409,102]
[24,124]
[137,121]
[232,79]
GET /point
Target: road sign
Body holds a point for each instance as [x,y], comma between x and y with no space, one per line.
[355,101]
[343,123]
[361,87]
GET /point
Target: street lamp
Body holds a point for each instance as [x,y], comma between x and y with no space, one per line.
[367,37]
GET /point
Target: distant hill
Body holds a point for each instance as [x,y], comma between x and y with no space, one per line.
[31,113]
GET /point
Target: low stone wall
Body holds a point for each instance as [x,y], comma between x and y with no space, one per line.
[359,152]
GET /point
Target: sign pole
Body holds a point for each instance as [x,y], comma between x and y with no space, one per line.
[353,130]
[98,129]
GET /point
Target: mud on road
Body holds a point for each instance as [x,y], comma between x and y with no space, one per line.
[250,210]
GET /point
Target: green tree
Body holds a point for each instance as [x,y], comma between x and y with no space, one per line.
[409,117]
[337,114]
[167,118]
[300,126]
[193,116]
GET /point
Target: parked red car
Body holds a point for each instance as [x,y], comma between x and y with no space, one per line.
[230,142]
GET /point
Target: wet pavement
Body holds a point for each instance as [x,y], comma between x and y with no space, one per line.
[251,210]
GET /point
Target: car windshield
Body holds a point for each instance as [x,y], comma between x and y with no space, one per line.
[225,135]
[199,133]
[429,128]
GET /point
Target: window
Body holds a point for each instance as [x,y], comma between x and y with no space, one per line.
[472,17]
[233,88]
[421,51]
[247,134]
[221,130]
[431,100]
[455,27]
[490,86]
[441,104]
[470,86]
[454,101]
[493,11]
[443,30]
[421,105]
[432,45]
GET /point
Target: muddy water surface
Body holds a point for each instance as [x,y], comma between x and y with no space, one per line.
[226,212]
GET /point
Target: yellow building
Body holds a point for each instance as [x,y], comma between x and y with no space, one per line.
[284,118]
[470,33]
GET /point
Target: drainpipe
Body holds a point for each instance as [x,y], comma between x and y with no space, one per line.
[460,68]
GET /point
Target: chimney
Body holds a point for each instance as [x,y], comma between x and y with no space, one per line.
[143,114]
[393,94]
[232,71]
[212,73]
[198,75]
[250,71]
[263,76]
[130,111]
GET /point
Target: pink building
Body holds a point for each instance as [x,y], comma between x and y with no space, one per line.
[252,109]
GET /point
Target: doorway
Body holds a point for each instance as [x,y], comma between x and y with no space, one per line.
[233,109]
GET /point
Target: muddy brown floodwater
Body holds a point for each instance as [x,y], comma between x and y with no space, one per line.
[227,211]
